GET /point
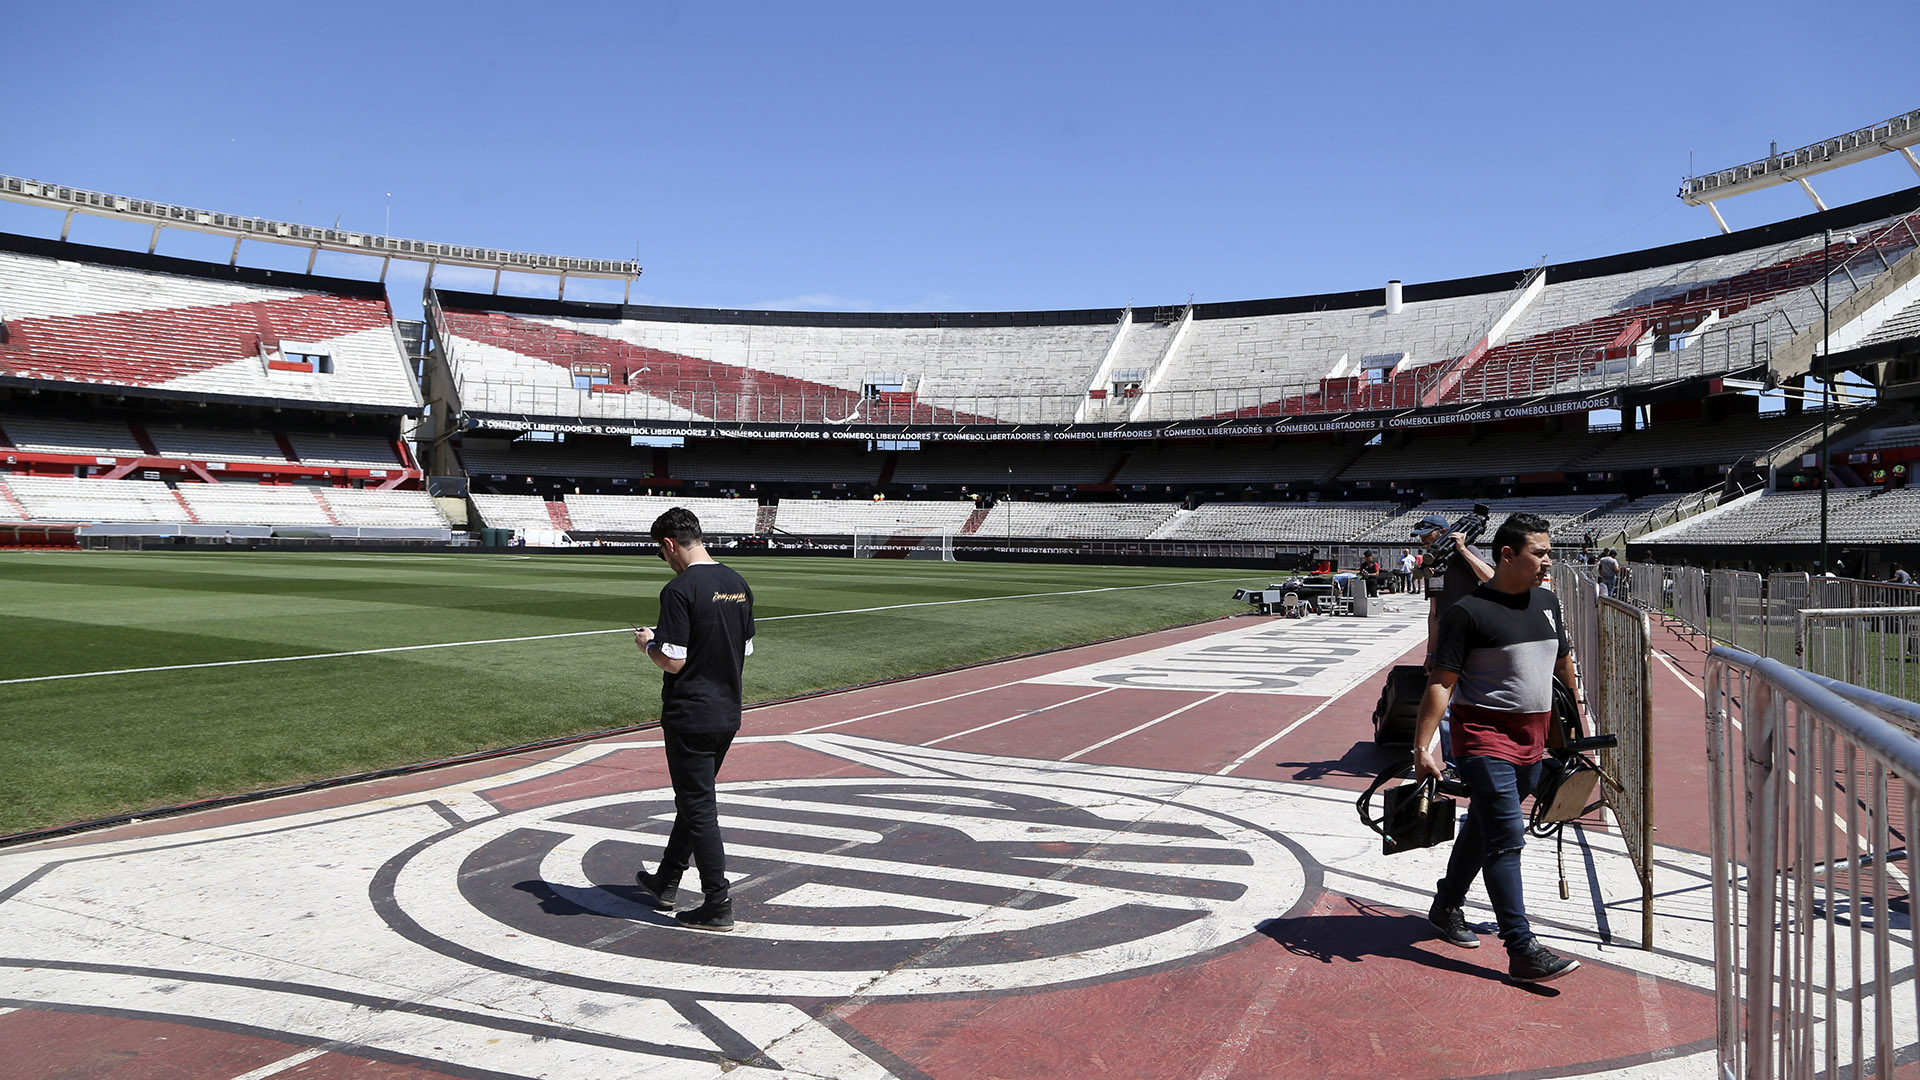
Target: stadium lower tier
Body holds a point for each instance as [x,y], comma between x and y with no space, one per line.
[231,505]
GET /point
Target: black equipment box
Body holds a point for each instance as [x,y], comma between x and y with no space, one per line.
[1399,707]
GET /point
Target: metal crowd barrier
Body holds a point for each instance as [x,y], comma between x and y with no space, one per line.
[1737,609]
[1645,585]
[1613,652]
[1620,702]
[1876,648]
[1690,598]
[1810,815]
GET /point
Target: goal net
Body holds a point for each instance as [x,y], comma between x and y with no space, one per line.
[903,545]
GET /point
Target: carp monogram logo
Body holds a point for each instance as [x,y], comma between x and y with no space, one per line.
[891,887]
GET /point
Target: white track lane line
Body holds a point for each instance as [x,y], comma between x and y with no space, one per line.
[1103,742]
[277,1067]
[588,633]
[1020,716]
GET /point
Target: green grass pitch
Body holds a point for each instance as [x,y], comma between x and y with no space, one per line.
[80,748]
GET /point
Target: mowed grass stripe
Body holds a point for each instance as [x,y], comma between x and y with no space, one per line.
[580,633]
[88,747]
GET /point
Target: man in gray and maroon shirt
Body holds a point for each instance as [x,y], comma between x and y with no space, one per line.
[1495,658]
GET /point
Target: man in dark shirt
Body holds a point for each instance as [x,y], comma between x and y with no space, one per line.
[704,635]
[1464,572]
[1499,650]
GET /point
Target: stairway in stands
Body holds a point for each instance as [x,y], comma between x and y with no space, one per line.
[14,506]
[557,513]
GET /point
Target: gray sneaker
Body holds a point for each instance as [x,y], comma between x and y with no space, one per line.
[1452,924]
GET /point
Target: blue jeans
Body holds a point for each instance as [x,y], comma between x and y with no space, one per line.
[1490,841]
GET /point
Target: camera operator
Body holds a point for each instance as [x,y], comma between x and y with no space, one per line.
[1464,573]
[1500,650]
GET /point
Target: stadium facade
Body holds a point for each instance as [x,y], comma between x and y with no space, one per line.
[150,395]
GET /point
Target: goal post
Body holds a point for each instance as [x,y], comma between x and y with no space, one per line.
[903,545]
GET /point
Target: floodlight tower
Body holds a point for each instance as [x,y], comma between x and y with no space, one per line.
[239,228]
[1897,135]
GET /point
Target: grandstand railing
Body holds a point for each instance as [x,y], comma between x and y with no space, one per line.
[1810,810]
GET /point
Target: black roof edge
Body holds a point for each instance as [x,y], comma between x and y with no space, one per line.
[158,394]
[1841,217]
[578,309]
[168,264]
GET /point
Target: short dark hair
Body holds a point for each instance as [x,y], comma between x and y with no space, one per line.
[678,523]
[1515,530]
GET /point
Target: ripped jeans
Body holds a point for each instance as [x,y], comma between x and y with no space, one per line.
[1489,843]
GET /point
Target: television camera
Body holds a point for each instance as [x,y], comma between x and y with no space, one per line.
[1441,555]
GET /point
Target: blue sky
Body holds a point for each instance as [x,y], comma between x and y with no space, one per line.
[985,156]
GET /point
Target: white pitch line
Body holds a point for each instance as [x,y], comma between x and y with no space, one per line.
[583,633]
[1130,731]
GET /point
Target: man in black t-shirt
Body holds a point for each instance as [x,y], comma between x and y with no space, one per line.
[703,638]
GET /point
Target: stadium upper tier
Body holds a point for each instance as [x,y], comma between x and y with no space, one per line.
[1708,307]
[95,317]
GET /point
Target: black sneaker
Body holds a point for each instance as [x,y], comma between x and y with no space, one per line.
[708,916]
[656,893]
[1537,964]
[1452,924]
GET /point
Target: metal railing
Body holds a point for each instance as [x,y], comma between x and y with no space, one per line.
[1736,610]
[1613,653]
[1810,814]
[1876,648]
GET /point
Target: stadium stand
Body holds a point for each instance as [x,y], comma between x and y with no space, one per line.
[1075,521]
[66,499]
[637,513]
[254,504]
[1563,512]
[1287,522]
[512,511]
[1859,515]
[356,451]
[842,517]
[369,508]
[543,358]
[201,444]
[88,317]
[1760,516]
[53,498]
[79,438]
[1626,516]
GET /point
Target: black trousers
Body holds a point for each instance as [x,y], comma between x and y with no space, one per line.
[693,763]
